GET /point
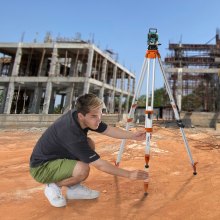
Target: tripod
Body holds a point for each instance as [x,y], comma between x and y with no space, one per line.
[151,55]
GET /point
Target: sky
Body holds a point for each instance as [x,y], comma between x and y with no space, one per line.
[119,25]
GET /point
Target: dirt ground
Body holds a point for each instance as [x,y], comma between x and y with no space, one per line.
[174,192]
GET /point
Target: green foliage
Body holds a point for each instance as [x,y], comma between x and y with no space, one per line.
[191,102]
[116,100]
[160,98]
[195,100]
[57,109]
[142,101]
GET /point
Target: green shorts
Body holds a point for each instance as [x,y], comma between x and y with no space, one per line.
[53,171]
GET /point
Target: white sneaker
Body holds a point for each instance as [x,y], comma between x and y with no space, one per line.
[81,192]
[54,195]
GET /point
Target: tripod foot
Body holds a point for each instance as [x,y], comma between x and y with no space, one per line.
[116,164]
[145,188]
[194,168]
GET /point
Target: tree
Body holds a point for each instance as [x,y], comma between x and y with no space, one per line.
[195,100]
[142,101]
[160,98]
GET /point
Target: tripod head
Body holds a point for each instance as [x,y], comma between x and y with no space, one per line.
[152,40]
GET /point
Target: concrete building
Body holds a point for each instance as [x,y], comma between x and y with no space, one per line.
[45,78]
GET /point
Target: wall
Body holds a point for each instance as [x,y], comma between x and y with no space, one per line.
[201,119]
[197,119]
[14,121]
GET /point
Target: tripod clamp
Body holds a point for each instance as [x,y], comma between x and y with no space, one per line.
[180,124]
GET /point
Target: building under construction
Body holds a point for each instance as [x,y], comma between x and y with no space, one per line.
[194,75]
[45,78]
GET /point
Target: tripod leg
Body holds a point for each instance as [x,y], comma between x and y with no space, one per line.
[132,109]
[177,117]
[149,119]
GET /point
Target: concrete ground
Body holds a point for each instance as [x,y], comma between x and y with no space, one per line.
[174,192]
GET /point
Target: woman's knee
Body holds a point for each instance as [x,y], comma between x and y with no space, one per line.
[81,170]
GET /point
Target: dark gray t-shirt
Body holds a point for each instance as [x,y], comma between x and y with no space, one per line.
[65,139]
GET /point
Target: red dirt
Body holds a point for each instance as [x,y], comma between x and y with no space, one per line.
[174,192]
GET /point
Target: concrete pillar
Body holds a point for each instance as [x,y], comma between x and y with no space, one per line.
[57,70]
[9,98]
[1,66]
[120,103]
[17,61]
[41,62]
[114,76]
[218,94]
[129,84]
[47,98]
[103,79]
[52,101]
[123,81]
[101,93]
[121,95]
[72,66]
[31,97]
[112,103]
[3,93]
[54,60]
[84,67]
[44,68]
[88,70]
[127,104]
[11,67]
[129,93]
[35,105]
[108,102]
[104,70]
[179,88]
[8,67]
[133,86]
[62,102]
[69,99]
[66,62]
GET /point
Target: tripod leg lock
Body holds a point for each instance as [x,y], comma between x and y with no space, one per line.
[180,124]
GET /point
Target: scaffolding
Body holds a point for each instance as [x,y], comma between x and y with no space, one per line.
[194,75]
